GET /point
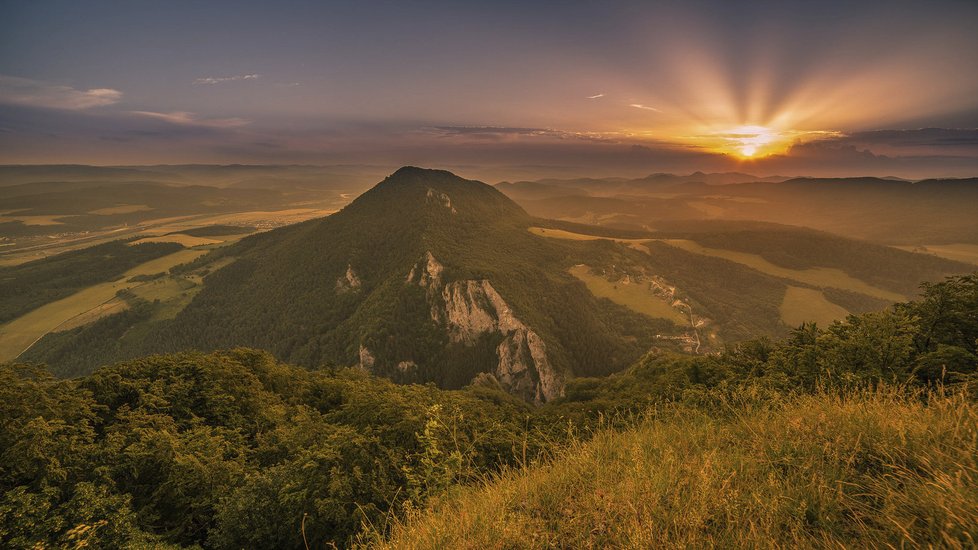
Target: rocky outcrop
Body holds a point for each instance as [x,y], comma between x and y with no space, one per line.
[440,198]
[472,309]
[349,281]
[524,369]
[367,359]
[407,367]
[426,273]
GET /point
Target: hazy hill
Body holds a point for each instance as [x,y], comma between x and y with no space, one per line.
[606,187]
[883,210]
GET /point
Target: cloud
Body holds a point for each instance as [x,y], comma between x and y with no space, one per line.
[501,132]
[494,130]
[644,107]
[595,96]
[34,93]
[220,79]
[190,119]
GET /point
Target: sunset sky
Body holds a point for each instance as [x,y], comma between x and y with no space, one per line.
[582,88]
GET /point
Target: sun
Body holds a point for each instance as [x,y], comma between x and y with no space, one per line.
[751,140]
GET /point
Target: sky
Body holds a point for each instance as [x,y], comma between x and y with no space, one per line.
[508,88]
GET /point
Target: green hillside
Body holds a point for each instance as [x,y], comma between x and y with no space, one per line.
[861,434]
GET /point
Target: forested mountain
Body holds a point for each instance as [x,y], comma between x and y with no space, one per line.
[429,277]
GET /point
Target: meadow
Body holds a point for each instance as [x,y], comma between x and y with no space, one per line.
[634,295]
[864,468]
[803,305]
[22,332]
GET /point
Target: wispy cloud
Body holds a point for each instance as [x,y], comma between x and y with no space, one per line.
[595,96]
[34,93]
[190,119]
[498,132]
[220,79]
[644,107]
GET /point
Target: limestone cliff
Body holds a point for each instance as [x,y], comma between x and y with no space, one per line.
[440,198]
[470,309]
[349,281]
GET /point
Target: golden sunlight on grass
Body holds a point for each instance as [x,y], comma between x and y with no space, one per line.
[870,468]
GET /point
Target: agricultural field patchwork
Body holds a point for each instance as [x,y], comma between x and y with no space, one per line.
[21,333]
[818,276]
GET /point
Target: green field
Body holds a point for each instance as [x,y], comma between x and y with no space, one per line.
[802,305]
[818,276]
[634,296]
[21,333]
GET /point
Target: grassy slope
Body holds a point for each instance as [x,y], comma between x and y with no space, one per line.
[19,334]
[868,469]
[635,296]
[802,305]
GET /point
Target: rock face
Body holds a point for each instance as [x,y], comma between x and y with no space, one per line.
[366,359]
[440,198]
[470,309]
[427,273]
[349,282]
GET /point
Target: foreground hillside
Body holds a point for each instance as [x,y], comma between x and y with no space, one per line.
[234,449]
[862,469]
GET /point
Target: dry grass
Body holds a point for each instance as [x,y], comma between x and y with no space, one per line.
[635,296]
[868,469]
[801,305]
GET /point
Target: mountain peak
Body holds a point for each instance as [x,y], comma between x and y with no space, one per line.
[411,192]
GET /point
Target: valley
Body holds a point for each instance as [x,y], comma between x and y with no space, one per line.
[503,343]
[691,288]
[488,275]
